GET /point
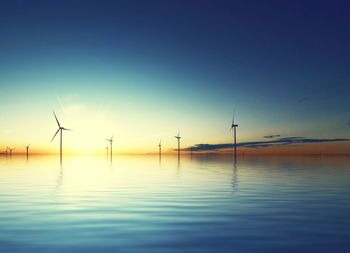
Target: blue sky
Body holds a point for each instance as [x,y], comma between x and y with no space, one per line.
[143,70]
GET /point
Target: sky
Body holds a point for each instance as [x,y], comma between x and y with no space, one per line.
[144,70]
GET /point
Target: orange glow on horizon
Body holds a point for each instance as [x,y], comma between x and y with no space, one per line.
[318,148]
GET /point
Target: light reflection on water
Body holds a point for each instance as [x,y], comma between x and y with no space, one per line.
[203,204]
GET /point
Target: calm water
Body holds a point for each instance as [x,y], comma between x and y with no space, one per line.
[203,204]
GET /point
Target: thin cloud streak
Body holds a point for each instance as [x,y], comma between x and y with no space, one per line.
[263,144]
[272,136]
[330,91]
[302,100]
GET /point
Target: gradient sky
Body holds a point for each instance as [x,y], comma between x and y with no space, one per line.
[142,70]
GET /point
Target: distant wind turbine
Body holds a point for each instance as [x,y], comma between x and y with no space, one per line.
[178,143]
[160,149]
[60,129]
[10,149]
[27,148]
[111,145]
[233,127]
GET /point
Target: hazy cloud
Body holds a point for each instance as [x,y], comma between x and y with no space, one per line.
[263,144]
[75,108]
[302,100]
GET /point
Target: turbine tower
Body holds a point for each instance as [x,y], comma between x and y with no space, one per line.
[27,148]
[233,127]
[178,144]
[111,145]
[160,149]
[60,129]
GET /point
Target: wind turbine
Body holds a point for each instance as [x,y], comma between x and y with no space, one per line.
[27,148]
[160,149]
[60,129]
[178,144]
[10,149]
[233,127]
[111,144]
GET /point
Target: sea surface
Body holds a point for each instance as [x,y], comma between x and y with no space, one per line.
[202,204]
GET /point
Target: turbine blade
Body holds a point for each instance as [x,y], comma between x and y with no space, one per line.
[67,129]
[55,135]
[58,123]
[233,117]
